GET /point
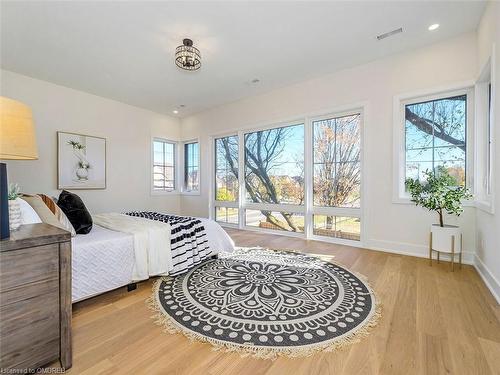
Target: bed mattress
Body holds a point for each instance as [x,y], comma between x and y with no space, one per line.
[102,260]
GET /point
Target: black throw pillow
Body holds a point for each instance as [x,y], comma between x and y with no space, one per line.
[72,205]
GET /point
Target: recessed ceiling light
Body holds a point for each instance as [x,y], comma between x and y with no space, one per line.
[175,111]
[434,26]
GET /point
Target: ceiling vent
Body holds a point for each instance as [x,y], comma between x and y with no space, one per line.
[390,33]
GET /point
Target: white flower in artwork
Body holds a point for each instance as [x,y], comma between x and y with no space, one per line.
[82,166]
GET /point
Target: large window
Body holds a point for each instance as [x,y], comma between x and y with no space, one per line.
[302,178]
[191,167]
[163,165]
[435,135]
[226,169]
[274,176]
[337,176]
[337,172]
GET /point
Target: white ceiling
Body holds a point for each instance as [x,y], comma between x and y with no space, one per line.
[124,50]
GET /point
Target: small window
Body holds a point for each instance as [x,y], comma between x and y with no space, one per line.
[227,215]
[163,165]
[435,135]
[275,220]
[191,167]
[348,228]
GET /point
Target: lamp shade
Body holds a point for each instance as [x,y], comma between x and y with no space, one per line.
[17,131]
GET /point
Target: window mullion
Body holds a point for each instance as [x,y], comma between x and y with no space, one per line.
[241,180]
[308,176]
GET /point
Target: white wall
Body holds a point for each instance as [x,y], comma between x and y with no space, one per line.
[128,131]
[488,225]
[396,227]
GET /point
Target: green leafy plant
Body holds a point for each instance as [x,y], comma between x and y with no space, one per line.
[13,193]
[438,193]
[76,145]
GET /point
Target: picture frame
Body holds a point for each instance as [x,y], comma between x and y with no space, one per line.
[81,161]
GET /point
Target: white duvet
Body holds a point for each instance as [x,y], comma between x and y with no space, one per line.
[122,249]
[151,242]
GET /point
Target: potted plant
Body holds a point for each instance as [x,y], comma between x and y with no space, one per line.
[14,208]
[442,194]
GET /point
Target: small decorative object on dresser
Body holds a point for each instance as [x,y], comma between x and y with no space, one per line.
[441,193]
[35,298]
[14,208]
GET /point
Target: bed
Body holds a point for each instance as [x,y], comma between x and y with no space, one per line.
[106,258]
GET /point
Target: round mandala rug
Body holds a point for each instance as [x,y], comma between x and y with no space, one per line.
[267,303]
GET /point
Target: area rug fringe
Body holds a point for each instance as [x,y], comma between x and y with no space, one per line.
[171,326]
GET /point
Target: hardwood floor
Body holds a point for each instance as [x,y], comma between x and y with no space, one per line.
[433,321]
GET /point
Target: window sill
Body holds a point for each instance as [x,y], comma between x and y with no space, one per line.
[485,206]
[159,192]
[407,201]
[195,193]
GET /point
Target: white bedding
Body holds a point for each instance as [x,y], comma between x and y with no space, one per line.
[107,259]
[218,239]
[103,260]
[151,242]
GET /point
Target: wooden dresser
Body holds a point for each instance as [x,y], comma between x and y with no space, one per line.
[35,297]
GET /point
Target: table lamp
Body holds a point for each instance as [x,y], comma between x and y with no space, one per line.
[17,142]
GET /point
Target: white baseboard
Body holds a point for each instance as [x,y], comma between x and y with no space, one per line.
[419,251]
[491,282]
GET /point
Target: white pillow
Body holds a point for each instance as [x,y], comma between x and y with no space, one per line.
[28,214]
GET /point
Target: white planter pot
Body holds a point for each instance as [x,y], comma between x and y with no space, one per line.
[82,174]
[442,238]
[14,214]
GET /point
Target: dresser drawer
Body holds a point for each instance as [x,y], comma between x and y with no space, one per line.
[27,266]
[28,308]
[35,298]
[32,323]
[24,292]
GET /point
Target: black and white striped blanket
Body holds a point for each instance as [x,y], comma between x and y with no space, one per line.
[188,239]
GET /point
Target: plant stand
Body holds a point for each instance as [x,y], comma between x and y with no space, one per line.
[452,251]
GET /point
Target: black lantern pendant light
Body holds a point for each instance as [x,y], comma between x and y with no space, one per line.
[187,57]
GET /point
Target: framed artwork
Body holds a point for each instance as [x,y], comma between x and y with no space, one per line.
[81,161]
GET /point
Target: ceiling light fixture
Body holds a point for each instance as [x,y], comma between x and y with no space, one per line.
[175,111]
[187,57]
[434,26]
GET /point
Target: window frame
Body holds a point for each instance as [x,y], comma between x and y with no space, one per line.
[485,137]
[307,209]
[183,166]
[400,196]
[244,205]
[355,212]
[175,166]
[213,202]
